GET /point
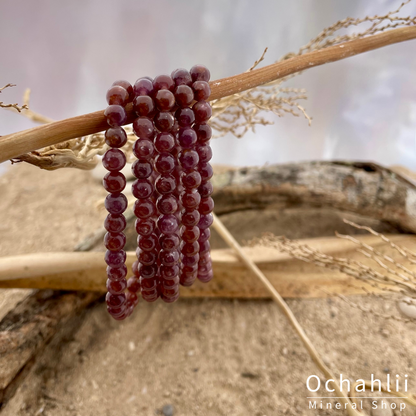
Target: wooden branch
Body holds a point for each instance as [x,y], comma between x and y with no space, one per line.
[16,144]
[86,271]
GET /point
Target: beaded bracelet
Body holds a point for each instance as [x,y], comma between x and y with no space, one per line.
[172,187]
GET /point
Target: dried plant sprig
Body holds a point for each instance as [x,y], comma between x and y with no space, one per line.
[12,106]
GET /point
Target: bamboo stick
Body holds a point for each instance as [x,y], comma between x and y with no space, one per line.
[16,144]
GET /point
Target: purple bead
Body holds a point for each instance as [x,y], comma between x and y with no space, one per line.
[188,280]
[169,258]
[187,270]
[202,111]
[205,169]
[114,242]
[169,242]
[165,163]
[148,284]
[143,86]
[116,137]
[205,221]
[191,180]
[204,258]
[206,277]
[169,299]
[170,283]
[142,169]
[204,152]
[148,272]
[145,227]
[190,249]
[169,272]
[165,100]
[164,142]
[144,106]
[144,208]
[184,95]
[167,204]
[115,301]
[142,188]
[187,138]
[204,268]
[116,115]
[126,85]
[190,219]
[200,73]
[117,95]
[164,121]
[114,160]
[181,77]
[115,287]
[117,273]
[132,300]
[202,90]
[117,313]
[147,243]
[114,182]
[147,258]
[189,159]
[190,234]
[185,117]
[204,235]
[165,184]
[143,128]
[190,260]
[115,259]
[143,149]
[204,247]
[115,223]
[205,189]
[190,200]
[206,206]
[168,224]
[115,203]
[133,284]
[203,131]
[163,82]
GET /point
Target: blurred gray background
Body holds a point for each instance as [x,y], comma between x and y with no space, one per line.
[68,53]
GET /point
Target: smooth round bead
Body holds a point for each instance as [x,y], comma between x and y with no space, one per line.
[116,115]
[117,313]
[165,184]
[115,223]
[147,258]
[114,160]
[148,272]
[187,270]
[205,267]
[135,268]
[165,163]
[147,243]
[141,169]
[164,121]
[206,277]
[169,292]
[169,272]
[165,100]
[115,203]
[206,206]
[204,247]
[115,301]
[205,189]
[132,299]
[169,258]
[115,259]
[114,182]
[144,106]
[205,221]
[190,219]
[150,296]
[204,258]
[169,242]
[143,149]
[163,82]
[167,224]
[170,283]
[200,73]
[185,117]
[187,138]
[202,111]
[190,200]
[144,208]
[143,128]
[148,284]
[143,86]
[181,76]
[189,159]
[190,249]
[116,137]
[115,287]
[190,234]
[191,180]
[126,85]
[164,142]
[204,152]
[188,280]
[206,171]
[190,260]
[117,273]
[117,95]
[142,188]
[171,299]
[201,90]
[114,242]
[203,131]
[184,95]
[204,235]
[133,284]
[167,204]
[145,227]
